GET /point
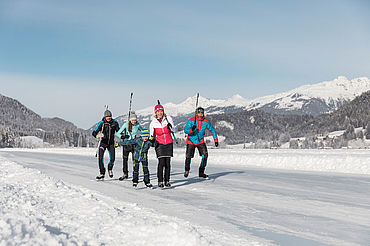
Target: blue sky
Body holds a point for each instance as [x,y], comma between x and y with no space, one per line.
[70,58]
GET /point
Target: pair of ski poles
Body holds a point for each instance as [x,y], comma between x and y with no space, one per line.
[129,114]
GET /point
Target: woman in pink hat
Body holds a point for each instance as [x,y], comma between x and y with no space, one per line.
[161,128]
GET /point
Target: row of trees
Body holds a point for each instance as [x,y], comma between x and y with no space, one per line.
[16,121]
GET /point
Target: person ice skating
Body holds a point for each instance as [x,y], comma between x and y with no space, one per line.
[105,130]
[160,128]
[128,131]
[196,128]
[142,143]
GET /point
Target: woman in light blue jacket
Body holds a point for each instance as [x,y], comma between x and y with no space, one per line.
[128,131]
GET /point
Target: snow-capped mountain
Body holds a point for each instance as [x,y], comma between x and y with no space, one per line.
[311,99]
[188,106]
[182,111]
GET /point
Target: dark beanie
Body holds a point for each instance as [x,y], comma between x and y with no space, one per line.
[107,113]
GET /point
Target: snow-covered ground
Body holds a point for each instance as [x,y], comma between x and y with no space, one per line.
[32,142]
[253,197]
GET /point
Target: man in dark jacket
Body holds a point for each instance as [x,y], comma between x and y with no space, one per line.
[105,131]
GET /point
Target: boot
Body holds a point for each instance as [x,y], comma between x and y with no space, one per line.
[110,172]
[186,174]
[202,174]
[100,177]
[124,176]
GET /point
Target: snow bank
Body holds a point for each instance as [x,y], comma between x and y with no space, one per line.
[37,210]
[339,161]
[32,142]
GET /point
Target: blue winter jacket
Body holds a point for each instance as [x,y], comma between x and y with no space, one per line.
[135,128]
[197,136]
[141,148]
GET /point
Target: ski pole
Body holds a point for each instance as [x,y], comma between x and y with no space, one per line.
[196,107]
[97,149]
[174,137]
[129,109]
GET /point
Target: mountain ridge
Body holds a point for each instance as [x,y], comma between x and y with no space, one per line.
[311,99]
[16,121]
[333,93]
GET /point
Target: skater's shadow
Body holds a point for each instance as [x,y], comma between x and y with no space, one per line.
[215,176]
[211,178]
[110,179]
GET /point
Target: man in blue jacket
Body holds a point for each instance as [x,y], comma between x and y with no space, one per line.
[196,128]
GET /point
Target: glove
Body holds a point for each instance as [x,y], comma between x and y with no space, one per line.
[151,139]
[216,144]
[125,136]
[94,134]
[193,127]
[100,135]
[116,145]
[169,125]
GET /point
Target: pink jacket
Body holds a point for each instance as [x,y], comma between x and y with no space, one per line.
[160,131]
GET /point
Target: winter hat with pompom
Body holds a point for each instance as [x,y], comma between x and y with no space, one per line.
[133,115]
[158,107]
[145,133]
[107,113]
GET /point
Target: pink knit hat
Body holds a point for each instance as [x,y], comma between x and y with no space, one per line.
[158,107]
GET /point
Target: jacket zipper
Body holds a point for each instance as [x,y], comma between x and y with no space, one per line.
[109,133]
[165,140]
[141,150]
[199,122]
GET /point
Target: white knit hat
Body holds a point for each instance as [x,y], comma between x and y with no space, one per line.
[133,115]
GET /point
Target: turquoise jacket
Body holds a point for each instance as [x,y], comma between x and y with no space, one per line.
[141,148]
[196,137]
[135,128]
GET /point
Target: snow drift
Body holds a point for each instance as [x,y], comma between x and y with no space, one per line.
[38,210]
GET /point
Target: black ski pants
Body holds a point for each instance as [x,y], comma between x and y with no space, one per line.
[164,164]
[190,151]
[112,156]
[126,150]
